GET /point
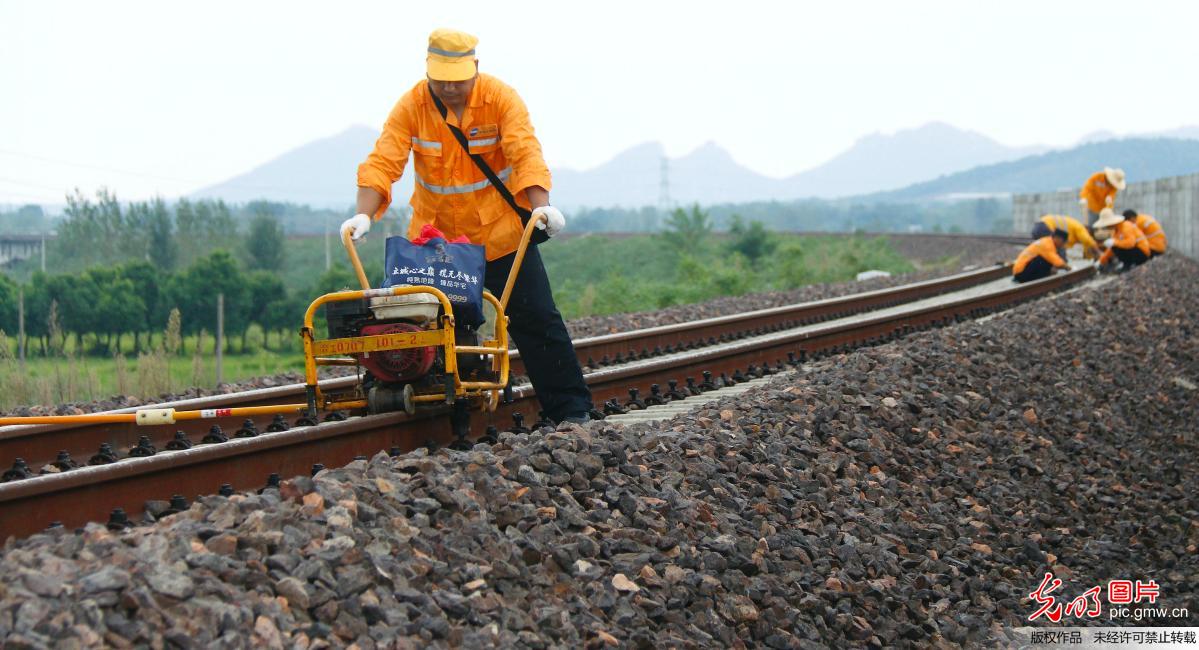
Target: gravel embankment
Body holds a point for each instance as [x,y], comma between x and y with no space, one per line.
[905,495]
[919,250]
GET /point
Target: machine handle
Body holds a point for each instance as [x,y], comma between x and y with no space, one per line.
[354,261]
[530,228]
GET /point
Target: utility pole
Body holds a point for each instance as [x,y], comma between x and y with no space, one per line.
[664,202]
[21,325]
[43,253]
[220,335]
[328,257]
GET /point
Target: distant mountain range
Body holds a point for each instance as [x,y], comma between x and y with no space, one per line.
[322,173]
[930,160]
[1140,158]
[880,162]
[1182,133]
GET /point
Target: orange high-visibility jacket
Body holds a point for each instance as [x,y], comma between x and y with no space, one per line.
[1078,232]
[1125,235]
[1096,190]
[1153,233]
[451,193]
[1043,247]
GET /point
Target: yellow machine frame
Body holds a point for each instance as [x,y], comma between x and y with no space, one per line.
[317,352]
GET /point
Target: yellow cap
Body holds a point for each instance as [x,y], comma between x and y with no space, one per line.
[451,55]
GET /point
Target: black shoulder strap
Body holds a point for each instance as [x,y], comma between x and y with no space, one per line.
[538,236]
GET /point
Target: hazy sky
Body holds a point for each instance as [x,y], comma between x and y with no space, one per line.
[165,97]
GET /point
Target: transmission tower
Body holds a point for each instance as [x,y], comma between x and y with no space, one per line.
[665,205]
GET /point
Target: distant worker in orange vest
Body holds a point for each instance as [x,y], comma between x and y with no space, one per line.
[456,195]
[1099,192]
[1128,243]
[1152,229]
[1040,258]
[1079,234]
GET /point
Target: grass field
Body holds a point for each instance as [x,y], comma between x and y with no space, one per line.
[81,378]
[596,275]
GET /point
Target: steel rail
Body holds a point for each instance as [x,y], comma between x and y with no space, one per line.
[86,494]
[39,445]
[709,331]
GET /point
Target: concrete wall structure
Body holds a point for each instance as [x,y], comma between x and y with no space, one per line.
[1173,201]
[21,247]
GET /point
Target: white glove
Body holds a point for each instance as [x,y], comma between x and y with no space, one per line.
[358,225]
[554,221]
[1082,202]
[1109,242]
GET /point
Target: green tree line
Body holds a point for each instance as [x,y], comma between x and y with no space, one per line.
[103,231]
[103,305]
[985,215]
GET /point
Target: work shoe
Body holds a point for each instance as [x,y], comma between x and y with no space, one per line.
[581,418]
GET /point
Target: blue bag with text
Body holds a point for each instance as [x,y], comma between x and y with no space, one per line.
[456,269]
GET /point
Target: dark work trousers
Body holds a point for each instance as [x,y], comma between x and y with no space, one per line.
[1037,268]
[536,327]
[1130,256]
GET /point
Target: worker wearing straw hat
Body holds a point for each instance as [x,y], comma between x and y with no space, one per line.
[1128,244]
[1100,191]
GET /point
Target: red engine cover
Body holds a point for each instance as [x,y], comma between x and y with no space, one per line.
[397,365]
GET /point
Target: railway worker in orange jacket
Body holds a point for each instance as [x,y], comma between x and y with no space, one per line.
[1128,243]
[1079,234]
[1040,258]
[454,194]
[1100,191]
[1152,229]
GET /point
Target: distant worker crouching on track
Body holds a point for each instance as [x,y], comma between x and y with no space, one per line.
[1040,258]
[1099,192]
[1128,243]
[1152,229]
[1078,234]
[479,182]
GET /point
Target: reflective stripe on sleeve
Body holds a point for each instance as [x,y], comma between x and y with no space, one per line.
[429,144]
[503,175]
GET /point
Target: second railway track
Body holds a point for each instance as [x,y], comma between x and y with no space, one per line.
[762,340]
